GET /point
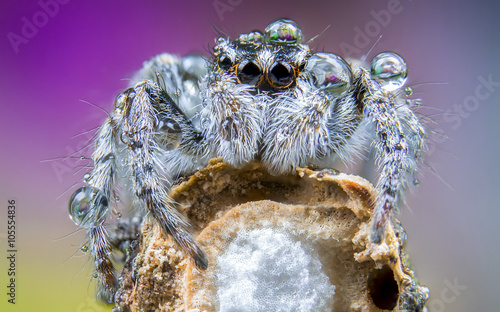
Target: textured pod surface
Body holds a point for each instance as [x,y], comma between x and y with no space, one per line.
[323,217]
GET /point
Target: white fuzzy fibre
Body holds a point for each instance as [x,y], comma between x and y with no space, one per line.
[268,270]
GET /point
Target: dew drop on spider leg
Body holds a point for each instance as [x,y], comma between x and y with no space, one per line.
[88,205]
[169,133]
[86,178]
[390,70]
[205,123]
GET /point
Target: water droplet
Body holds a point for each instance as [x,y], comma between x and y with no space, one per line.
[283,31]
[169,133]
[94,275]
[117,199]
[119,215]
[84,248]
[416,182]
[88,205]
[177,93]
[82,157]
[205,123]
[194,161]
[330,72]
[409,91]
[86,178]
[390,70]
[125,138]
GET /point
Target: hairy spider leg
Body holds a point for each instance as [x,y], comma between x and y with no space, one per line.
[144,160]
[398,146]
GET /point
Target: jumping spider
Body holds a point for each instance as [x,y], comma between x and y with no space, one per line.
[263,97]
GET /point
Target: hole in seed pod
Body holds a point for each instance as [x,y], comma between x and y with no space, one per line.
[383,288]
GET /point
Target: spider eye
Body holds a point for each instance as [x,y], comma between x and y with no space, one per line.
[281,74]
[249,72]
[225,62]
[283,31]
[390,70]
[330,72]
[88,204]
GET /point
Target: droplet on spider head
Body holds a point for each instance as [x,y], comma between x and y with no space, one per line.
[330,72]
[390,70]
[88,205]
[252,37]
[283,31]
[84,248]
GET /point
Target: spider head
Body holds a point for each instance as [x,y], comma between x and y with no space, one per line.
[269,61]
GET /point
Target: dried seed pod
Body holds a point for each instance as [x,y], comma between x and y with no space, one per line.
[293,241]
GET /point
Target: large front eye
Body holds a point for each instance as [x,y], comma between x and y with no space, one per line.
[281,75]
[283,31]
[390,70]
[330,72]
[249,72]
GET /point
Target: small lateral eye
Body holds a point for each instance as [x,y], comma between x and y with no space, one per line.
[283,31]
[225,62]
[330,72]
[390,70]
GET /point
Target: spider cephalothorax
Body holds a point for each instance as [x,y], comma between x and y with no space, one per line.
[263,97]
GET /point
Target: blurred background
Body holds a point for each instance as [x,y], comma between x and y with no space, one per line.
[55,54]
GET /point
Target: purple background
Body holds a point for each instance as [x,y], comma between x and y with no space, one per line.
[88,49]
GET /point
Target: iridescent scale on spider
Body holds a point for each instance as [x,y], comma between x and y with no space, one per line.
[262,97]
